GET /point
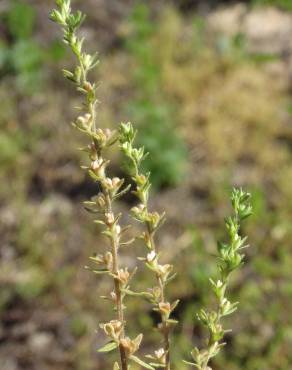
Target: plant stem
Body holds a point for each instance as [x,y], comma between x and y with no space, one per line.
[152,221]
[110,188]
[165,328]
[117,288]
[230,258]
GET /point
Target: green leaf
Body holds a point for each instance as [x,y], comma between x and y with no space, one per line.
[191,364]
[140,362]
[110,346]
[174,305]
[171,278]
[99,222]
[154,364]
[122,192]
[172,322]
[137,294]
[98,272]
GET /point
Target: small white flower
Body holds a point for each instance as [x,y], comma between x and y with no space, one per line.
[219,284]
[159,353]
[151,256]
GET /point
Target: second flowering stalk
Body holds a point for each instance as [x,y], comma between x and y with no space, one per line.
[152,222]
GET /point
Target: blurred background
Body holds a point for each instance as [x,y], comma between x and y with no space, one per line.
[209,85]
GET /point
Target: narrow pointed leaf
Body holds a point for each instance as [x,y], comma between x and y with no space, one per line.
[140,362]
[108,347]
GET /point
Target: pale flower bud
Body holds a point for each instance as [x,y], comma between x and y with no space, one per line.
[107,182]
[113,329]
[123,276]
[165,309]
[154,219]
[138,212]
[108,133]
[109,218]
[100,201]
[160,355]
[156,291]
[96,164]
[164,270]
[100,133]
[131,346]
[116,182]
[140,179]
[113,296]
[87,86]
[98,167]
[118,229]
[82,121]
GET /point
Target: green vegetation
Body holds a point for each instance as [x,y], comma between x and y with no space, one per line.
[20,53]
[282,4]
[154,112]
[24,57]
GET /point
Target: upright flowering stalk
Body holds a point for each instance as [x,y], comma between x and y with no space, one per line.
[230,258]
[110,188]
[152,222]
